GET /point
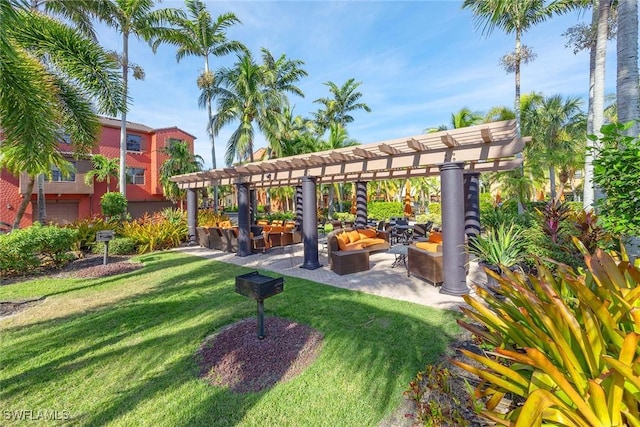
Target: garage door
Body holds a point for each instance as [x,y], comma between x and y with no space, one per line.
[62,212]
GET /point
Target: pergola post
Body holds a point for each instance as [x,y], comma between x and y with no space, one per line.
[192,216]
[472,204]
[453,229]
[299,208]
[309,223]
[361,204]
[244,243]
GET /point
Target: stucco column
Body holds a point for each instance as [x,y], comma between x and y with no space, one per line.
[299,208]
[192,216]
[361,204]
[453,245]
[309,223]
[244,243]
[472,204]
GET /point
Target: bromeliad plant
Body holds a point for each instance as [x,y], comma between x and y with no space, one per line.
[566,344]
[502,246]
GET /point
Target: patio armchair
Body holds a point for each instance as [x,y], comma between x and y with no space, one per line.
[215,238]
[202,234]
[257,239]
[229,239]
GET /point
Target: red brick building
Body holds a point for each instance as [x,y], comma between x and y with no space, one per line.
[69,198]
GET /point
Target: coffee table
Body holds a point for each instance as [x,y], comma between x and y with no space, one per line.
[400,252]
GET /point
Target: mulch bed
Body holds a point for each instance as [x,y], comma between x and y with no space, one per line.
[237,359]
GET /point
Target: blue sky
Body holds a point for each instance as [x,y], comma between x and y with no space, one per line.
[418,62]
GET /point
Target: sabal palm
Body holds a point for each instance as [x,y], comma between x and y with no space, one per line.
[180,161]
[103,169]
[199,34]
[40,101]
[345,100]
[138,18]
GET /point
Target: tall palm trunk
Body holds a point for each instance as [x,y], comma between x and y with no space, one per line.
[595,117]
[42,208]
[627,71]
[123,123]
[628,98]
[552,182]
[212,138]
[517,107]
[26,199]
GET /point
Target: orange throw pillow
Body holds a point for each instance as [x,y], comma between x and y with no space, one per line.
[435,237]
[367,233]
[428,246]
[353,236]
[342,241]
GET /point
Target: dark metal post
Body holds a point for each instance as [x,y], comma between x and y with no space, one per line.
[299,207]
[244,243]
[310,223]
[192,216]
[453,245]
[260,318]
[254,206]
[472,204]
[361,204]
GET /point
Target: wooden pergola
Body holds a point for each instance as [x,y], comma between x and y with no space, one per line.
[483,148]
[457,155]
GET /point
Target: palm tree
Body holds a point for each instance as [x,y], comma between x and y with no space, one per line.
[338,108]
[199,35]
[138,18]
[514,17]
[557,125]
[461,119]
[180,161]
[338,138]
[49,73]
[627,89]
[103,169]
[250,93]
[240,97]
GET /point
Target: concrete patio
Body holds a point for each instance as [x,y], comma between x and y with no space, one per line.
[380,280]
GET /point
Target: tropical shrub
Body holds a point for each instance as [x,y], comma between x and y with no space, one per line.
[208,217]
[496,216]
[154,232]
[117,246]
[113,204]
[566,345]
[384,210]
[26,249]
[502,246]
[617,172]
[87,228]
[344,216]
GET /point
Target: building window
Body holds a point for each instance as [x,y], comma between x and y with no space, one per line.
[578,174]
[57,176]
[134,143]
[135,176]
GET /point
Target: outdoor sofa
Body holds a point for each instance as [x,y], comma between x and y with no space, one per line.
[424,259]
[348,249]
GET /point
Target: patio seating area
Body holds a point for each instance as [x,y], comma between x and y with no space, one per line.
[380,279]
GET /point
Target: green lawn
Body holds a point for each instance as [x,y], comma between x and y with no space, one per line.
[120,350]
